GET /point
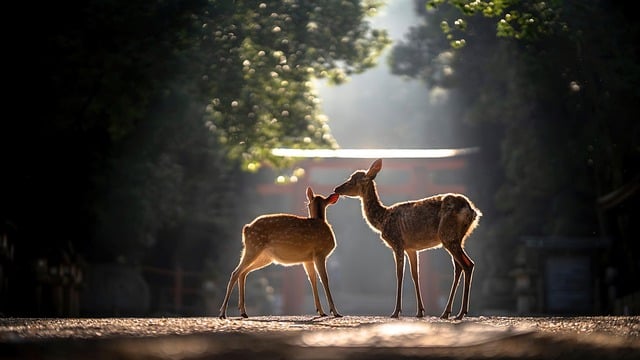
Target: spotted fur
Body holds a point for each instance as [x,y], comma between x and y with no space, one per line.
[287,240]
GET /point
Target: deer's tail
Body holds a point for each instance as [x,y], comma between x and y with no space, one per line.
[473,216]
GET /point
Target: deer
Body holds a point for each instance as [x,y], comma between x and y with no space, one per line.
[443,220]
[287,240]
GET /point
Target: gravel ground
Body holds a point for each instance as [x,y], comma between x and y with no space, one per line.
[293,337]
[13,329]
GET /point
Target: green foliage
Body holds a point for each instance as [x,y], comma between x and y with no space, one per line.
[551,79]
[138,114]
[548,91]
[526,20]
[262,58]
[250,65]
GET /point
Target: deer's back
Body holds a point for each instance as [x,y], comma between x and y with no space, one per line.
[419,222]
[290,238]
[415,222]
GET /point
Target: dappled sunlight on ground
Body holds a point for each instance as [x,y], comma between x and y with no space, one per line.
[314,337]
[409,334]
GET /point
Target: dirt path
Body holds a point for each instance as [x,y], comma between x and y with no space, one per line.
[294,337]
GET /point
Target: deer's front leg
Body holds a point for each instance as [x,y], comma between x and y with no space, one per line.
[321,267]
[311,274]
[412,255]
[398,255]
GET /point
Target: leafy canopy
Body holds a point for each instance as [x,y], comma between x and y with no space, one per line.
[261,58]
[515,19]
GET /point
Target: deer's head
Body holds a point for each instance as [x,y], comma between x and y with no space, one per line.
[359,180]
[318,203]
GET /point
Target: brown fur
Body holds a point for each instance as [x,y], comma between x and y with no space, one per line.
[444,220]
[287,240]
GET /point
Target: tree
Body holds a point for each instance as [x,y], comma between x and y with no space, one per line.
[135,117]
[554,79]
[497,79]
[262,59]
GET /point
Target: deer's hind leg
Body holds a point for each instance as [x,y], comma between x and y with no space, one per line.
[451,232]
[232,282]
[258,263]
[247,257]
[456,277]
[467,268]
[463,264]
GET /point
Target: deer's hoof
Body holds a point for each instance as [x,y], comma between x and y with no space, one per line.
[244,315]
[420,314]
[445,315]
[460,316]
[336,314]
[222,316]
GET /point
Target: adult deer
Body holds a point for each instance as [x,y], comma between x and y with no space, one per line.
[409,227]
[288,240]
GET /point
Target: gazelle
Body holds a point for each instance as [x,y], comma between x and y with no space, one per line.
[288,240]
[409,227]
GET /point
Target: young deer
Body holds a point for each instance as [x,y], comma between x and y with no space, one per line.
[288,240]
[409,227]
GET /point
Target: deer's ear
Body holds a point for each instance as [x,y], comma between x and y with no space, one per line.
[309,193]
[374,169]
[333,198]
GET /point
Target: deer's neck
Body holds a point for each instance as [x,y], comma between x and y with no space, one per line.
[319,212]
[372,208]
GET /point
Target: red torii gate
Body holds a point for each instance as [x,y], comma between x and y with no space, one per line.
[324,169]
